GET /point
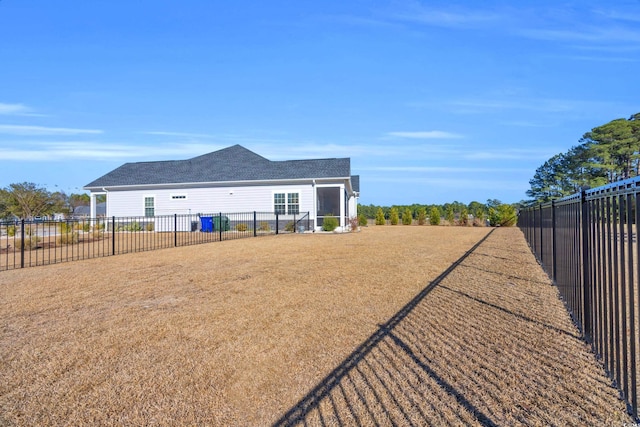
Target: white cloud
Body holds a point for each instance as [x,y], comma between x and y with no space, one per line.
[432,134]
[42,130]
[437,169]
[182,134]
[13,109]
[458,18]
[78,150]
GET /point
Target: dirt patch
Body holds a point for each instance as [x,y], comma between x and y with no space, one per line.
[242,332]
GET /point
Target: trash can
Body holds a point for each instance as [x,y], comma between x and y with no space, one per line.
[206,223]
[221,223]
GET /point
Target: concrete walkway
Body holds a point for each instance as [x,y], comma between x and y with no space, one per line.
[486,343]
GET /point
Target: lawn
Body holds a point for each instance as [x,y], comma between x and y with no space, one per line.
[243,332]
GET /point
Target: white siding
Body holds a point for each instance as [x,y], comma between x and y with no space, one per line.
[206,200]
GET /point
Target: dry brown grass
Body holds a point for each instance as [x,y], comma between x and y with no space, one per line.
[240,332]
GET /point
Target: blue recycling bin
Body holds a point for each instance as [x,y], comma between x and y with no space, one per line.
[206,223]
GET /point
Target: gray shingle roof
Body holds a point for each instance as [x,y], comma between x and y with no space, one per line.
[355,183]
[234,163]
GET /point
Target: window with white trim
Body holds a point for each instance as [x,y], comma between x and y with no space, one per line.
[279,204]
[293,203]
[286,203]
[149,206]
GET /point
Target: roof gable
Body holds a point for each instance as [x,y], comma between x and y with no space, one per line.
[230,164]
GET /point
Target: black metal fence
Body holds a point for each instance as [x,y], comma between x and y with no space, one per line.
[33,243]
[588,245]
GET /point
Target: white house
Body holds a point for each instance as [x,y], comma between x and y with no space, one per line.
[233,179]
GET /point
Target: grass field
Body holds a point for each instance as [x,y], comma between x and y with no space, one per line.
[377,327]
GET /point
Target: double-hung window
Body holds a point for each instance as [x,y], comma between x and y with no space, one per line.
[149,206]
[279,203]
[286,203]
[293,203]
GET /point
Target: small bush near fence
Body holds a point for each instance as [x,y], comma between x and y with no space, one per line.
[241,227]
[330,223]
[30,243]
[354,223]
[264,226]
[68,238]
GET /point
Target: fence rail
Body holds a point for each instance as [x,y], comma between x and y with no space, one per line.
[588,245]
[34,243]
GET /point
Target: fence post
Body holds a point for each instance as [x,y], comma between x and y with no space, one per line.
[113,235]
[175,229]
[220,225]
[553,242]
[586,283]
[277,223]
[22,243]
[541,256]
[255,225]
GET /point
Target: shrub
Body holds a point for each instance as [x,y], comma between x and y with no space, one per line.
[150,226]
[30,243]
[478,222]
[264,226]
[68,238]
[134,226]
[290,226]
[330,223]
[354,223]
[450,216]
[434,216]
[11,230]
[394,218]
[407,217]
[362,220]
[241,227]
[66,227]
[422,216]
[380,217]
[464,217]
[503,216]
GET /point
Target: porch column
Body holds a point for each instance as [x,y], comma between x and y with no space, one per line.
[343,211]
[93,211]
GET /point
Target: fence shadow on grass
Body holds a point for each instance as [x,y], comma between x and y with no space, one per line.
[451,357]
[363,389]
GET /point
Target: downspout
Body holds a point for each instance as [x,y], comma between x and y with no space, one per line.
[315,199]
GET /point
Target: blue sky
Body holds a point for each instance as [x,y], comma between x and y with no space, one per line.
[433,101]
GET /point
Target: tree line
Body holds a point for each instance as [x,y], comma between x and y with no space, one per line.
[27,200]
[493,212]
[607,153]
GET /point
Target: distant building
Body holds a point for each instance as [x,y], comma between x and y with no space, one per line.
[85,211]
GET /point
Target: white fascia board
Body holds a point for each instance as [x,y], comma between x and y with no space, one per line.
[216,184]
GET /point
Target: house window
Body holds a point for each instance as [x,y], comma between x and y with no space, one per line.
[149,206]
[293,203]
[286,203]
[178,196]
[279,205]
